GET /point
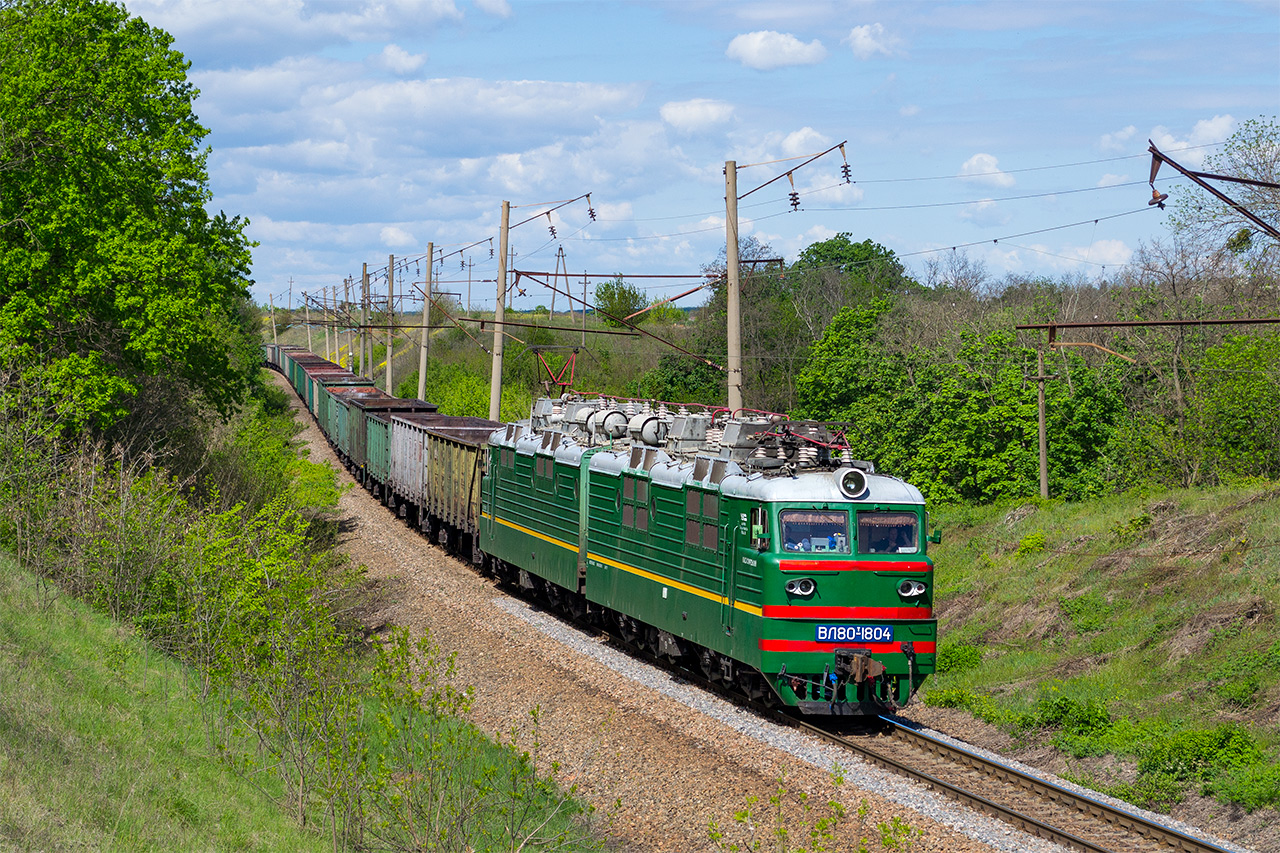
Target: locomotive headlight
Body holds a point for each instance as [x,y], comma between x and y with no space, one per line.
[911,589]
[852,482]
[802,587]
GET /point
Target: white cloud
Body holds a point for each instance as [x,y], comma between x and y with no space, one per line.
[985,169]
[1205,132]
[985,212]
[821,189]
[394,237]
[497,8]
[1113,253]
[696,114]
[766,50]
[1110,180]
[1116,141]
[804,141]
[869,39]
[908,110]
[614,215]
[244,31]
[398,60]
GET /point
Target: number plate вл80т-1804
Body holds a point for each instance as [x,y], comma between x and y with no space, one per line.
[854,633]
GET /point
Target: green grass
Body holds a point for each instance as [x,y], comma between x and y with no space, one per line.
[102,743]
[1154,608]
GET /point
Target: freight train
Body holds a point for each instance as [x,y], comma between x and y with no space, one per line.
[745,545]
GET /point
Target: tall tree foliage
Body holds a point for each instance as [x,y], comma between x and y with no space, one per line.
[1253,153]
[116,286]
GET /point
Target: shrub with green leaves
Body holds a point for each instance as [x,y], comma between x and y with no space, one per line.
[958,658]
[1198,754]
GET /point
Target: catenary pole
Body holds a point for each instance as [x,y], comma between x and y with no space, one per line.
[426,324]
[306,317]
[732,286]
[495,379]
[391,317]
[274,338]
[1044,441]
[365,370]
[346,311]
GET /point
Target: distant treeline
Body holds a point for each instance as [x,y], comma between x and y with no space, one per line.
[941,389]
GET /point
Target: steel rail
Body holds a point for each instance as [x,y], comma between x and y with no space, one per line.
[1042,788]
[1097,809]
[974,801]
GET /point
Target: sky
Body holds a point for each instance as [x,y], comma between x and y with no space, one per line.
[1014,133]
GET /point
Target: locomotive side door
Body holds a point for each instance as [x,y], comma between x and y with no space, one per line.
[729,541]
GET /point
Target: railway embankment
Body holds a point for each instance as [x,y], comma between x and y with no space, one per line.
[515,669]
[1128,643]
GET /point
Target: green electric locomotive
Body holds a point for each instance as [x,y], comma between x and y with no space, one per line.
[755,548]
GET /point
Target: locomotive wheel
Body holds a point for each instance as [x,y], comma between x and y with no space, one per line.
[627,629]
[709,663]
[651,639]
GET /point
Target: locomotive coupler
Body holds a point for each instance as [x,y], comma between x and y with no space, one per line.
[857,665]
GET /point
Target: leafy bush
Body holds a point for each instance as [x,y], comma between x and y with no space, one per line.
[1088,612]
[1156,792]
[1254,787]
[616,300]
[680,379]
[949,697]
[1199,753]
[458,391]
[1032,543]
[1074,717]
[958,658]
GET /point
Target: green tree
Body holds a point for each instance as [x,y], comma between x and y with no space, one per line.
[960,428]
[616,300]
[112,274]
[1252,152]
[773,339]
[681,379]
[867,259]
[1237,406]
[831,274]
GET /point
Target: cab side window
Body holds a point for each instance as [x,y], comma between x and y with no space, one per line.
[888,533]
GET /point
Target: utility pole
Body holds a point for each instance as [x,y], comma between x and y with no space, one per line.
[733,291]
[331,313]
[470,266]
[346,310]
[391,313]
[1044,440]
[365,369]
[584,308]
[426,324]
[306,314]
[495,379]
[274,339]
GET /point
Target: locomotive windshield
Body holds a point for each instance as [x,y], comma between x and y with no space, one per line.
[815,530]
[887,533]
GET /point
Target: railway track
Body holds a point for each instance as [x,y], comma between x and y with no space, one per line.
[1025,801]
[1028,802]
[1032,804]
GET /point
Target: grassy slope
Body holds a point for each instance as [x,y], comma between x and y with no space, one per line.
[102,744]
[1157,607]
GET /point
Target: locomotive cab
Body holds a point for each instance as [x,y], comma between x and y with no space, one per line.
[847,594]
